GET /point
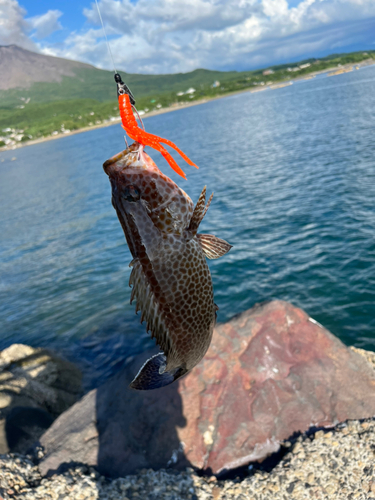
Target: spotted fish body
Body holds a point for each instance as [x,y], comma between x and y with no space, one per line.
[170,279]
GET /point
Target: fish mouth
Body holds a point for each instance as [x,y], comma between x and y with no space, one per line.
[132,151]
[114,159]
[133,156]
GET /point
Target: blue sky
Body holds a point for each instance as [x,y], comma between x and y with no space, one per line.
[72,18]
[168,36]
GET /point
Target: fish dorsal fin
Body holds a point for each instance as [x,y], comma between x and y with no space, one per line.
[212,246]
[149,307]
[199,211]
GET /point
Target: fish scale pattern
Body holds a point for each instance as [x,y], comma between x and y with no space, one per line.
[170,280]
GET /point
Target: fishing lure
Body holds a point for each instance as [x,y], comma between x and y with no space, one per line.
[129,123]
[170,278]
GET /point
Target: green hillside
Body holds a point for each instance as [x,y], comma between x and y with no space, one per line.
[89,98]
[99,85]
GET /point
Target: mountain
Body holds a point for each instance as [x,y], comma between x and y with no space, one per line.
[22,68]
[44,95]
[46,78]
[27,76]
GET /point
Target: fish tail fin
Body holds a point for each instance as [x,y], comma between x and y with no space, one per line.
[153,375]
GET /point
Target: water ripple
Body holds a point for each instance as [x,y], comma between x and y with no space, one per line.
[294,179]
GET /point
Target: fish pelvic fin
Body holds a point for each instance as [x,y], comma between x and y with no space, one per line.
[199,211]
[153,374]
[212,246]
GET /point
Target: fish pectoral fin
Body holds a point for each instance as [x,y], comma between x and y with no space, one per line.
[153,375]
[212,246]
[199,211]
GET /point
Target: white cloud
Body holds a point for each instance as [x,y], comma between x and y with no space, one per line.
[168,36]
[45,24]
[159,36]
[13,26]
[16,29]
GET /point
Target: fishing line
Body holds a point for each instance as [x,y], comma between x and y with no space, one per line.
[113,62]
[105,34]
[139,118]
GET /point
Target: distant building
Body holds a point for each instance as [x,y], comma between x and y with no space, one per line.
[303,66]
[180,94]
[190,91]
[268,72]
[215,84]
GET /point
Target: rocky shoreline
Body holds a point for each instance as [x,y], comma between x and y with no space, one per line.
[336,464]
[216,435]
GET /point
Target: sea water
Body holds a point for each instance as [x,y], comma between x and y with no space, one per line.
[293,172]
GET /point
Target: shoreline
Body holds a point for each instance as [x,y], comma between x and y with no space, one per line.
[106,124]
[334,463]
[327,462]
[175,107]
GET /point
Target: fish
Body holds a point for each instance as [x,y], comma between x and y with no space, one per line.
[170,278]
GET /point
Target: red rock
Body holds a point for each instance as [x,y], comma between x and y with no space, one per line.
[270,372]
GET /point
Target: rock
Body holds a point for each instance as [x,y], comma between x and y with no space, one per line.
[35,387]
[369,355]
[270,372]
[114,425]
[23,426]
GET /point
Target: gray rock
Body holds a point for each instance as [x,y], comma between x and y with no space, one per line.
[116,428]
[35,387]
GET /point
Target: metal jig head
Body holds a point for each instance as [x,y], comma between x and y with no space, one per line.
[122,88]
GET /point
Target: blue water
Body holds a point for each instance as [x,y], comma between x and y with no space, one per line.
[293,171]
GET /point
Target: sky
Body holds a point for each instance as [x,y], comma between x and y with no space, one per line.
[170,36]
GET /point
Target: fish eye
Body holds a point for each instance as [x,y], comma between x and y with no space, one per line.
[131,193]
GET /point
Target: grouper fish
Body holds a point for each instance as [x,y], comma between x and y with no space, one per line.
[170,278]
